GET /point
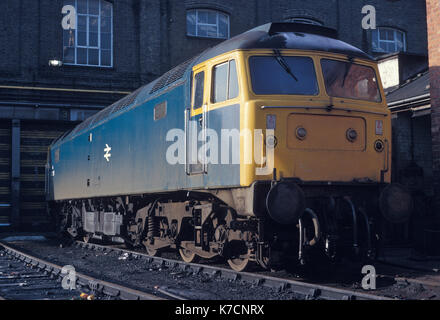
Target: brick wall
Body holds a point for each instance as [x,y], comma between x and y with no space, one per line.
[150,35]
[433,14]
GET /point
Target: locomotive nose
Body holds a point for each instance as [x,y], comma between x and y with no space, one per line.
[285,202]
[396,203]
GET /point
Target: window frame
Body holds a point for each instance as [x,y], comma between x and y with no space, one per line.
[304,20]
[87,47]
[228,62]
[288,54]
[381,96]
[193,89]
[218,13]
[376,37]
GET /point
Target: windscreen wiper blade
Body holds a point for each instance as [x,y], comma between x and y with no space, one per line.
[284,64]
[347,69]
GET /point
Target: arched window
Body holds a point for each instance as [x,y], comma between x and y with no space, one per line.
[388,40]
[207,24]
[91,42]
[304,20]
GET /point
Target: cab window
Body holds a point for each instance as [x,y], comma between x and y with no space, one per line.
[290,75]
[198,88]
[225,82]
[350,80]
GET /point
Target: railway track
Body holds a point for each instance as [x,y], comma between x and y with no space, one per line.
[24,277]
[304,289]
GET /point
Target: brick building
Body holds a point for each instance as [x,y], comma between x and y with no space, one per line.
[433,14]
[118,45]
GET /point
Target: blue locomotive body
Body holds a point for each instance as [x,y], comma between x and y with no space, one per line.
[136,162]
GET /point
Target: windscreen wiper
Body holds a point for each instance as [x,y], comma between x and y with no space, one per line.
[347,69]
[284,64]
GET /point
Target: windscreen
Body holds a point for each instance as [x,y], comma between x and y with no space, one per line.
[350,80]
[283,75]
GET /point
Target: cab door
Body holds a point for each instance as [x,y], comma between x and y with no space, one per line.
[195,123]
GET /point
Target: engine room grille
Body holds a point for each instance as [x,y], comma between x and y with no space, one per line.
[172,76]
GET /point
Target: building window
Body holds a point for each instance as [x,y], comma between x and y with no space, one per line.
[304,20]
[388,40]
[207,24]
[91,43]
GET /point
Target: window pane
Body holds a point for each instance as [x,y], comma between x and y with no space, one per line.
[191,23]
[106,8]
[106,24]
[93,39]
[106,58]
[82,6]
[69,38]
[233,80]
[82,38]
[203,16]
[202,31]
[106,40]
[211,31]
[391,47]
[382,34]
[199,81]
[69,55]
[374,38]
[94,7]
[94,57]
[269,77]
[400,46]
[82,23]
[212,17]
[223,26]
[81,56]
[93,24]
[353,81]
[383,46]
[220,76]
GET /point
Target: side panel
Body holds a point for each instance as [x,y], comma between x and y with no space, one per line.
[137,161]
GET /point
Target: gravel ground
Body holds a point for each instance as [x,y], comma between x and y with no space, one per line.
[137,273]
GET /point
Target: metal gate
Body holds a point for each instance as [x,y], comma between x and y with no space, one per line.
[35,138]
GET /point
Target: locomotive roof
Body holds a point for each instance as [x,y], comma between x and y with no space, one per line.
[269,36]
[287,36]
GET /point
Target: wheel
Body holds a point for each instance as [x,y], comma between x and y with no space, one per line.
[188,256]
[238,264]
[87,238]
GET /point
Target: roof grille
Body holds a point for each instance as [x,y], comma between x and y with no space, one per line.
[172,76]
[82,125]
[126,101]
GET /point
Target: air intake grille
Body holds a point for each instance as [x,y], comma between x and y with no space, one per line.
[172,76]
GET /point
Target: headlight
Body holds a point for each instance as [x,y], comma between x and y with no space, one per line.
[379,145]
[351,135]
[301,133]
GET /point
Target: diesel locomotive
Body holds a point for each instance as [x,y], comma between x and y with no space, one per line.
[273,144]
